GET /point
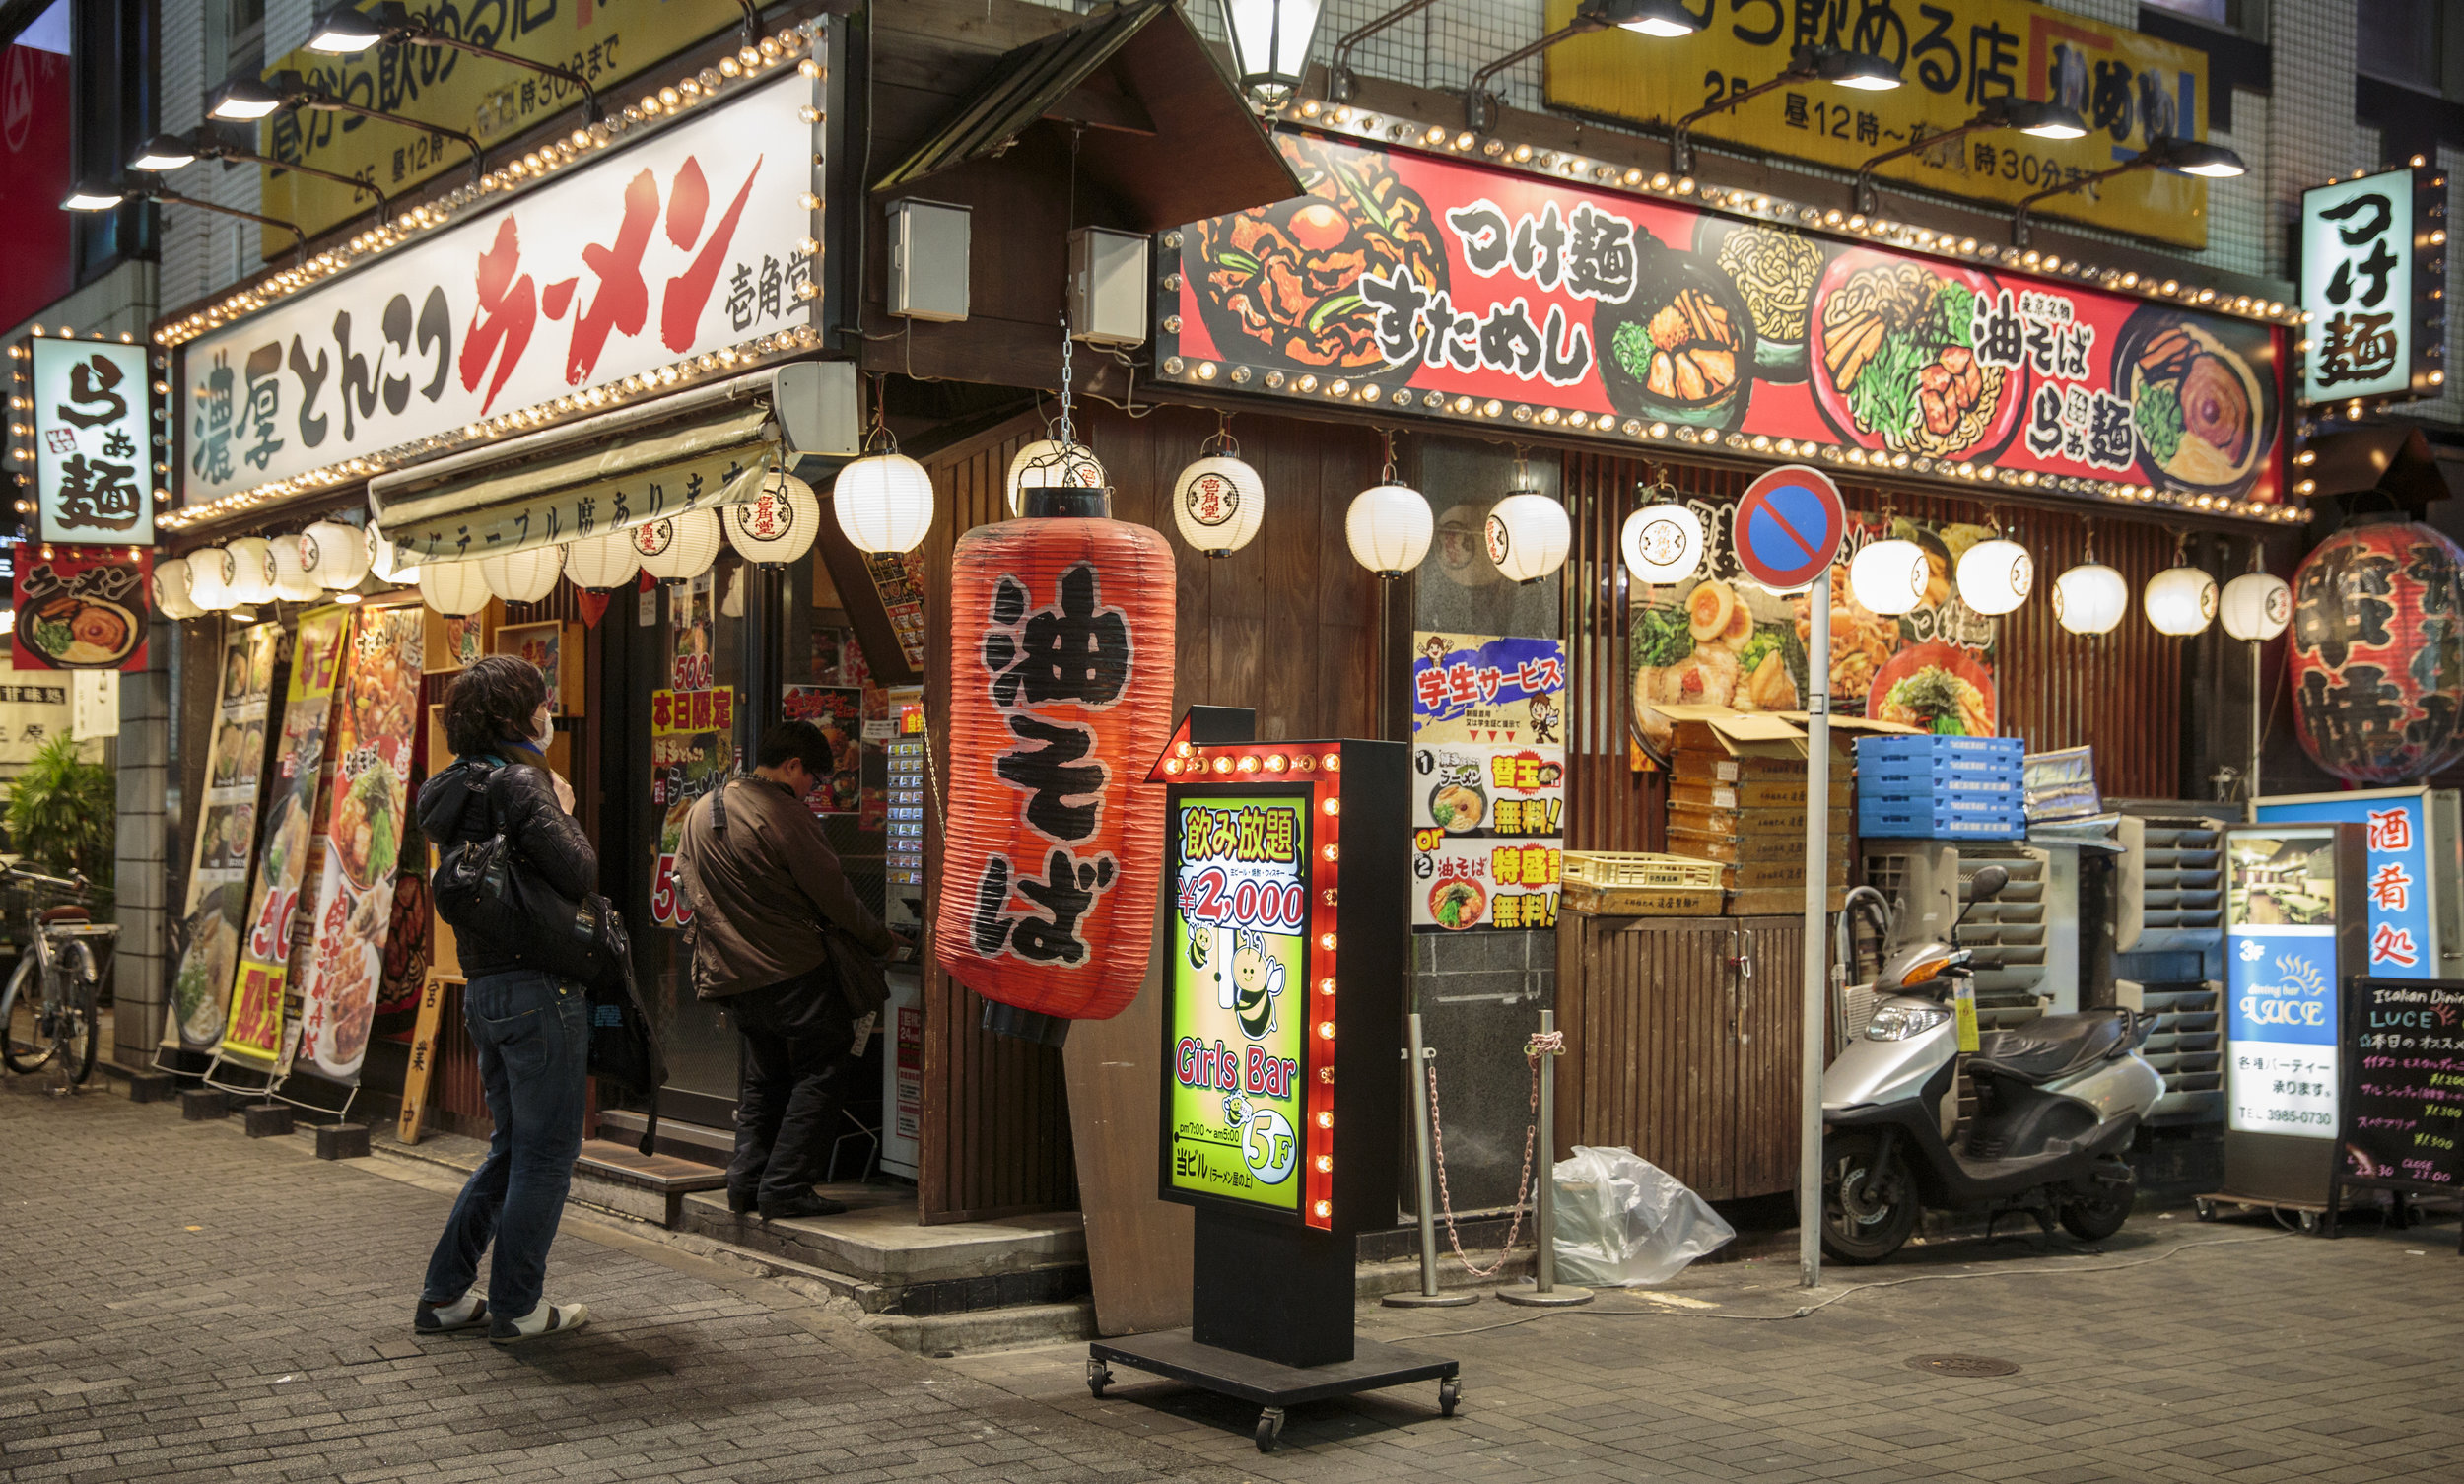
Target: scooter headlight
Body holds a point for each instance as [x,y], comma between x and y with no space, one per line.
[1899,1022]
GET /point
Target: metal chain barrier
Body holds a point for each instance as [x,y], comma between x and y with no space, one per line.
[1541,1043]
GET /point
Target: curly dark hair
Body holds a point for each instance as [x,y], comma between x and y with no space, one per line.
[491,703]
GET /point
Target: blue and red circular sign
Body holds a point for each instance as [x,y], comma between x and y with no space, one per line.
[1789,525]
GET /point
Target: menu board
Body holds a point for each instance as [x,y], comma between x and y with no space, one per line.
[224,842]
[362,828]
[2279,981]
[1238,964]
[2404,1090]
[690,755]
[1488,781]
[254,1031]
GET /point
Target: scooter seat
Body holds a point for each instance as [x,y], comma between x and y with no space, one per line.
[2052,1046]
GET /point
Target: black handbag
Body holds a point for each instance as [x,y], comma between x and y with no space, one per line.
[484,887]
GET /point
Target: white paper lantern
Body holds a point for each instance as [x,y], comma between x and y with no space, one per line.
[1890,578]
[170,589]
[209,579]
[602,563]
[452,588]
[1049,462]
[251,571]
[1218,502]
[776,525]
[2090,599]
[2256,605]
[1995,577]
[293,581]
[2180,601]
[1388,528]
[336,555]
[1528,534]
[679,548]
[385,558]
[1661,543]
[523,576]
[884,503]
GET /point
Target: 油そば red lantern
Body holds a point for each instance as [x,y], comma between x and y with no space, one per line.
[2376,654]
[1060,696]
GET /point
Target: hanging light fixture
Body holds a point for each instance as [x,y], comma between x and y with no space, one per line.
[1218,502]
[251,571]
[1663,542]
[1995,575]
[2257,606]
[452,588]
[885,500]
[523,576]
[602,563]
[1269,45]
[209,579]
[779,524]
[1047,463]
[293,583]
[1889,577]
[385,558]
[1527,532]
[679,548]
[2181,599]
[335,554]
[170,589]
[1389,525]
[2092,597]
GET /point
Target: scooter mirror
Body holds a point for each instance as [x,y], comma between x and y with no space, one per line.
[1987,883]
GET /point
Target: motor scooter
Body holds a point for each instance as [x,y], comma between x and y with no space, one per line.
[2058,1100]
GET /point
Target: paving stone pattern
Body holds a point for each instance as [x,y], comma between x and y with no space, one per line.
[188,1304]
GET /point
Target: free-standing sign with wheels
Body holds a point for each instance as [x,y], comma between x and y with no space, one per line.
[2400,1050]
[1286,929]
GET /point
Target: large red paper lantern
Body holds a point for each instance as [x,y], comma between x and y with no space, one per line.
[1060,698]
[2377,657]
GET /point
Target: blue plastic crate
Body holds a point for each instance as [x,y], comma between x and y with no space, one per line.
[1964,792]
[1931,749]
[1940,803]
[1964,772]
[1890,822]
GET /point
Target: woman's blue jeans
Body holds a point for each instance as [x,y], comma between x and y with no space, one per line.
[532,1031]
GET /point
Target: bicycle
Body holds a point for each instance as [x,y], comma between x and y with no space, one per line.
[58,978]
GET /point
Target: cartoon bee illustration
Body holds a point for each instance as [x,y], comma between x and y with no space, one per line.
[1257,980]
[1201,942]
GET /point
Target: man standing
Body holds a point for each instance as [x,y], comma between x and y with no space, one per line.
[764,887]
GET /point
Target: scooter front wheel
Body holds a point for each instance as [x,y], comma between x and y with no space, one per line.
[1869,1201]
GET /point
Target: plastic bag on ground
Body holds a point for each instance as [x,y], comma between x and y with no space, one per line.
[1624,1222]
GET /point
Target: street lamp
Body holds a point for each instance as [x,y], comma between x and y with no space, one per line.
[1269,45]
[97,195]
[2043,120]
[2184,156]
[343,30]
[1650,18]
[172,152]
[246,101]
[1807,64]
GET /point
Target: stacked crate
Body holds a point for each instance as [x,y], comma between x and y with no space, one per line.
[1747,812]
[1960,789]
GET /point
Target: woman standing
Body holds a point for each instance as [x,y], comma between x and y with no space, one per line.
[532,1028]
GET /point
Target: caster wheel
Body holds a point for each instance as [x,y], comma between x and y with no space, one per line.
[1270,1428]
[1098,1377]
[2204,1210]
[1449,1393]
[2310,1221]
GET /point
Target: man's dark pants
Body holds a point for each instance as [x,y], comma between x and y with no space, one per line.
[797,1067]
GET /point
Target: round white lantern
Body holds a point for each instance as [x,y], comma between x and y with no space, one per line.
[1218,502]
[335,554]
[1528,534]
[1047,462]
[1661,543]
[293,583]
[2256,605]
[2090,599]
[776,525]
[884,503]
[209,579]
[1388,528]
[2180,601]
[251,571]
[601,563]
[678,548]
[523,576]
[452,588]
[1995,575]
[385,558]
[1890,578]
[170,589]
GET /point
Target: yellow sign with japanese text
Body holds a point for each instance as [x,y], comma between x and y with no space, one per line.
[605,41]
[1954,57]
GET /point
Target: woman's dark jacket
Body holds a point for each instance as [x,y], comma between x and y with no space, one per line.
[453,808]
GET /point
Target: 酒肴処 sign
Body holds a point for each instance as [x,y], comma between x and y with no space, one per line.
[2410,904]
[2373,284]
[93,442]
[1438,286]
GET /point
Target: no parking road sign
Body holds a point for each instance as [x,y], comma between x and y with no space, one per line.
[1789,525]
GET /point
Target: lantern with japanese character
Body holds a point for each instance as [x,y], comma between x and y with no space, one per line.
[1060,696]
[2376,656]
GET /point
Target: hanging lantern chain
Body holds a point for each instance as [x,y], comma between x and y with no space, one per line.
[877,431]
[1387,474]
[2089,525]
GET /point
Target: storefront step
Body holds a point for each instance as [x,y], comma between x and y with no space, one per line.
[883,1244]
[948,1334]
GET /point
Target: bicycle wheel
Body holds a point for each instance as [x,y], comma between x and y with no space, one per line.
[77,1032]
[24,994]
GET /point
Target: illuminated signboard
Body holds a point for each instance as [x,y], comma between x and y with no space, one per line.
[2374,258]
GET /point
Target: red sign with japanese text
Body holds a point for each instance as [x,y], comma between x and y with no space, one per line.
[81,608]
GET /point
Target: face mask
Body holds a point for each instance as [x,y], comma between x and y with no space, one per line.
[546,734]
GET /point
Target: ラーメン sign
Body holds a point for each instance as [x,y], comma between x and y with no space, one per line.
[2373,270]
[93,442]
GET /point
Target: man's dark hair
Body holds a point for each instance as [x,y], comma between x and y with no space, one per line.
[491,703]
[800,740]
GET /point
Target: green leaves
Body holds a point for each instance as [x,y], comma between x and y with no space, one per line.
[63,812]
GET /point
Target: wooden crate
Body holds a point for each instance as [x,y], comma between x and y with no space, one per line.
[1640,901]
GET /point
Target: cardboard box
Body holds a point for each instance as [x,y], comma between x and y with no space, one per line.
[1780,902]
[1716,731]
[1751,793]
[1640,901]
[1790,873]
[1745,850]
[1699,766]
[1695,818]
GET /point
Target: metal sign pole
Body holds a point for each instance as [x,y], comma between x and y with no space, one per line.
[1417,1080]
[1810,1038]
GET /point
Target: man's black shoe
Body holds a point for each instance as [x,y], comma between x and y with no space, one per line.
[742,1206]
[803,1206]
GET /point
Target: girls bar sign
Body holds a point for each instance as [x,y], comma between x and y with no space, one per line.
[1465,291]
